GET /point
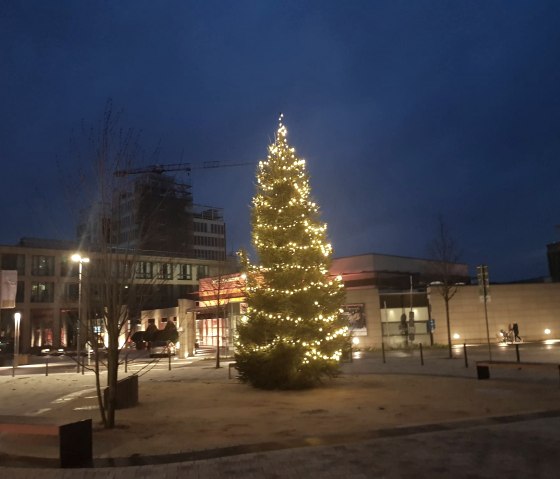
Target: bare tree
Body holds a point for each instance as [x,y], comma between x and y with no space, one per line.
[218,292]
[444,251]
[118,282]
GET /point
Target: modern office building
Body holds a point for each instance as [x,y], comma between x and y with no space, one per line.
[48,287]
[152,211]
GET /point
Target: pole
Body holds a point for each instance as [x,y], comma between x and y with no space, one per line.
[79,315]
[421,355]
[17,317]
[484,271]
[487,328]
[465,355]
[381,323]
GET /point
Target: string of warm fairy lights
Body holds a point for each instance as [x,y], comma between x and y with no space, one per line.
[288,236]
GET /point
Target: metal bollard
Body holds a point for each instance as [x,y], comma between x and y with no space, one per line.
[46,366]
[465,355]
[383,351]
[421,355]
[169,358]
[517,352]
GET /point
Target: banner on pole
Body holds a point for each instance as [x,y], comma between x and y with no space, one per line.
[8,289]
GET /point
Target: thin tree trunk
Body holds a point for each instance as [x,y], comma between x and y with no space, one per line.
[112,377]
[99,390]
[218,342]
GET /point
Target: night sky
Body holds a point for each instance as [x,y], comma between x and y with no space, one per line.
[404,111]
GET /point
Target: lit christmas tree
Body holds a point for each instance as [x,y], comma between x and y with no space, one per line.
[293,333]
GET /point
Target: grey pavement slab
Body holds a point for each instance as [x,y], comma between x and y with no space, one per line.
[527,448]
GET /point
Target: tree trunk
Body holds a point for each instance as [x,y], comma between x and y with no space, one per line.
[218,343]
[99,389]
[112,378]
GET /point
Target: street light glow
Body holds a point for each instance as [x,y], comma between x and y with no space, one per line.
[77,258]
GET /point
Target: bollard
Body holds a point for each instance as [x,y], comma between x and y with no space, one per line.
[517,352]
[421,355]
[126,363]
[465,355]
[383,351]
[169,358]
[46,366]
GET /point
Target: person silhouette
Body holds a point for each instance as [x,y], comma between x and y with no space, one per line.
[516,332]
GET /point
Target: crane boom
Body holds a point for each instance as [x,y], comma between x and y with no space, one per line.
[177,167]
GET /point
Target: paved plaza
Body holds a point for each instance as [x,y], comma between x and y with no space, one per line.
[521,443]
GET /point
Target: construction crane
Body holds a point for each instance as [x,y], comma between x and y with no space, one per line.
[176,167]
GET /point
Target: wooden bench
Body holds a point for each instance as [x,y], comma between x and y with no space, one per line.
[483,367]
[75,438]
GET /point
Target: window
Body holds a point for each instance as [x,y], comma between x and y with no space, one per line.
[68,267]
[200,227]
[72,292]
[203,271]
[144,270]
[210,254]
[165,271]
[217,229]
[42,265]
[42,292]
[185,271]
[14,262]
[20,293]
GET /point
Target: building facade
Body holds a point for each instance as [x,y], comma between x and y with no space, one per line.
[48,288]
[381,293]
[152,211]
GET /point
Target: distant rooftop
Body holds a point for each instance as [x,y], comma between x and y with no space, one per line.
[47,243]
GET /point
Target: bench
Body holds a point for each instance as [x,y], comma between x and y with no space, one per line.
[75,438]
[483,367]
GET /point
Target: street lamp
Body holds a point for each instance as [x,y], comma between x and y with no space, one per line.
[77,258]
[17,318]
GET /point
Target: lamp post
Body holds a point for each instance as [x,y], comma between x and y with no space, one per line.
[17,319]
[77,258]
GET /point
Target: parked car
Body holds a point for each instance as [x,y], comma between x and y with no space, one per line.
[162,349]
[139,339]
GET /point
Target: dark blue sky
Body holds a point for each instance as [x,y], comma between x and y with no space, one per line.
[404,110]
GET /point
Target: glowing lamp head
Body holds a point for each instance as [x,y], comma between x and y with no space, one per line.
[77,258]
[456,336]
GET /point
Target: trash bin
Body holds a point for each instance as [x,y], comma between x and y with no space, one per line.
[127,393]
[482,372]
